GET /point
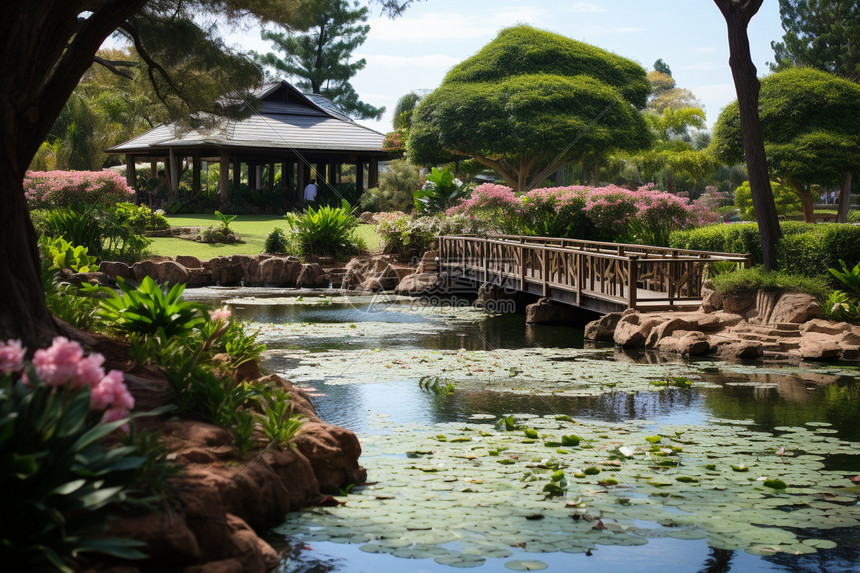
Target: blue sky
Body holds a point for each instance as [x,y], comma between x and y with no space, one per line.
[415,50]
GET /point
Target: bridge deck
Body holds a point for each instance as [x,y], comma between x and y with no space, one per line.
[603,277]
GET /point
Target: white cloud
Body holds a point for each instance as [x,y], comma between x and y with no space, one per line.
[581,7]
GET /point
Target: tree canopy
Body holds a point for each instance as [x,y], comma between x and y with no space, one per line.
[821,34]
[320,56]
[811,127]
[529,101]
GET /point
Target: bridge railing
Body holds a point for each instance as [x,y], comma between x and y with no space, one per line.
[623,274]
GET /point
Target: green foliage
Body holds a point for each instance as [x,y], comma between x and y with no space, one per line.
[147,310]
[441,192]
[435,385]
[140,217]
[850,277]
[412,236]
[59,254]
[786,199]
[278,421]
[327,231]
[321,55]
[219,235]
[519,103]
[106,233]
[225,220]
[810,124]
[277,242]
[841,306]
[396,185]
[73,305]
[820,34]
[78,228]
[60,485]
[757,278]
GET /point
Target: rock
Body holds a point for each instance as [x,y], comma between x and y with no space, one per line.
[256,555]
[277,271]
[685,343]
[223,566]
[199,278]
[819,347]
[633,329]
[428,263]
[333,452]
[666,329]
[739,302]
[143,269]
[821,326]
[232,270]
[795,308]
[711,300]
[603,329]
[113,269]
[78,279]
[368,218]
[170,272]
[189,262]
[168,539]
[715,321]
[548,311]
[375,273]
[310,276]
[418,284]
[731,350]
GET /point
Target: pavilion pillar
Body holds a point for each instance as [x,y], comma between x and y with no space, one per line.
[195,179]
[286,175]
[259,176]
[339,172]
[130,172]
[331,172]
[173,174]
[373,174]
[237,172]
[224,191]
[153,169]
[271,174]
[359,176]
[302,176]
[252,176]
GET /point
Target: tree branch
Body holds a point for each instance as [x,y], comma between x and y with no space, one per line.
[114,65]
[152,65]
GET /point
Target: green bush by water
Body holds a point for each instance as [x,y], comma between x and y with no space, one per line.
[757,278]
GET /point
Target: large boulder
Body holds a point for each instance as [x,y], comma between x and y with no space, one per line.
[665,329]
[113,269]
[232,270]
[739,302]
[419,284]
[738,349]
[548,311]
[633,328]
[277,271]
[170,272]
[685,343]
[712,301]
[310,276]
[815,346]
[428,263]
[795,308]
[333,453]
[189,262]
[143,269]
[603,329]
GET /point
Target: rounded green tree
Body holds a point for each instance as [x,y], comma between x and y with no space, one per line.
[530,101]
[811,125]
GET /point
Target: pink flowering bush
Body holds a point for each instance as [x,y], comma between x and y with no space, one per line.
[75,189]
[606,213]
[59,483]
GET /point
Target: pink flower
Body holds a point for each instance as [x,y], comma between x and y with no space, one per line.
[222,314]
[11,356]
[89,371]
[113,415]
[58,364]
[111,391]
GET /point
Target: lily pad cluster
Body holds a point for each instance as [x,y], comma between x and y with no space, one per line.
[463,494]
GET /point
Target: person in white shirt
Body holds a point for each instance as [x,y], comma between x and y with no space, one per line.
[311,191]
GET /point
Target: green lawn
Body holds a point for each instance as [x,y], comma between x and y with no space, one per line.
[252,228]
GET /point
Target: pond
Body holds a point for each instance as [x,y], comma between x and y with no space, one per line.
[498,446]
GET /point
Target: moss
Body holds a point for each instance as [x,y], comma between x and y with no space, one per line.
[757,278]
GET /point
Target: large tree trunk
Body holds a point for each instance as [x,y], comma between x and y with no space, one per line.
[45,48]
[806,203]
[844,200]
[738,14]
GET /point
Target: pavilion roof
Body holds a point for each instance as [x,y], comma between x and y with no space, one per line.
[285,119]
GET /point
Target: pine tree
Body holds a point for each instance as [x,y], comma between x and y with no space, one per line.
[320,56]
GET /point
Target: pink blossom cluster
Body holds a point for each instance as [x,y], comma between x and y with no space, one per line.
[63,364]
[220,315]
[50,189]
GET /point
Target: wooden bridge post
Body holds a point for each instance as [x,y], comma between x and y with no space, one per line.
[632,279]
[580,276]
[485,248]
[522,265]
[748,261]
[544,270]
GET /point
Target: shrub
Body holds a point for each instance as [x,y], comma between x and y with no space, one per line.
[147,310]
[787,201]
[78,228]
[440,192]
[277,242]
[757,278]
[59,483]
[817,249]
[75,189]
[327,231]
[140,218]
[106,233]
[58,254]
[396,185]
[411,236]
[219,235]
[555,212]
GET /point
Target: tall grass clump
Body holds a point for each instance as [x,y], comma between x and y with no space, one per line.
[326,231]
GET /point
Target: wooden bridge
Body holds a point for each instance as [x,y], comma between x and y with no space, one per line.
[601,277]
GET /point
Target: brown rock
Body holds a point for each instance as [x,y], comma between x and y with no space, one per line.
[113,269]
[232,270]
[603,329]
[666,329]
[168,539]
[199,433]
[77,279]
[730,350]
[738,302]
[428,263]
[143,269]
[223,566]
[685,343]
[715,321]
[333,453]
[633,329]
[422,284]
[277,271]
[311,276]
[169,272]
[711,300]
[821,326]
[548,311]
[256,555]
[796,308]
[189,262]
[199,277]
[375,273]
[819,347]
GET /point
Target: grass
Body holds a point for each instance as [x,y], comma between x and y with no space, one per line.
[757,278]
[252,228]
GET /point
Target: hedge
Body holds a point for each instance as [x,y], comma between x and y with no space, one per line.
[806,249]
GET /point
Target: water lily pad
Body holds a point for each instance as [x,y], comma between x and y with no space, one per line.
[525,565]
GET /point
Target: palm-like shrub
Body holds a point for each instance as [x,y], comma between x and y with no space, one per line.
[327,231]
[147,310]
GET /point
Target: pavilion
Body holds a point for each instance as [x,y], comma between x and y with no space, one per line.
[296,131]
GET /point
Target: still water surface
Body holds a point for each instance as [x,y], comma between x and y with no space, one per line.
[296,329]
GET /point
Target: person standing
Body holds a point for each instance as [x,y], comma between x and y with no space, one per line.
[311,191]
